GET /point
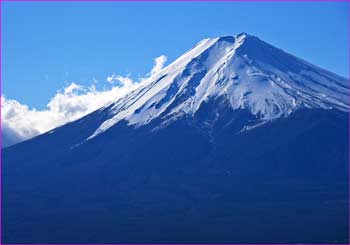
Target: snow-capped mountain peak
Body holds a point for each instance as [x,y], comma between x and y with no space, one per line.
[243,70]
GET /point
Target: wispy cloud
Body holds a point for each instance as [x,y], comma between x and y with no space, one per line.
[19,122]
[159,63]
[119,80]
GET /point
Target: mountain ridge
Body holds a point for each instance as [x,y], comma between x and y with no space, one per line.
[238,68]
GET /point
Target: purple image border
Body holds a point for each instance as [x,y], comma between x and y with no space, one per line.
[258,1]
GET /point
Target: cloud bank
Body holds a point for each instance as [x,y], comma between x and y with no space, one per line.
[20,122]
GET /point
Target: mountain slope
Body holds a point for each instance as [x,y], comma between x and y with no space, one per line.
[234,142]
[247,72]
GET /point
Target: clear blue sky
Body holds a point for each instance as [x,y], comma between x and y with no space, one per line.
[47,45]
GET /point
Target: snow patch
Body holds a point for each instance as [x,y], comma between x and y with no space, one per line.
[222,68]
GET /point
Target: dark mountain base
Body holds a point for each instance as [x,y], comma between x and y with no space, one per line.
[285,182]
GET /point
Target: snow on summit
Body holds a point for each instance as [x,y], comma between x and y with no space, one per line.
[243,70]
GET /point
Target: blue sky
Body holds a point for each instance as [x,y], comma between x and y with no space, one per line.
[46,46]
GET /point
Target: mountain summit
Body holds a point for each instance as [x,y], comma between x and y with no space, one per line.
[236,141]
[242,71]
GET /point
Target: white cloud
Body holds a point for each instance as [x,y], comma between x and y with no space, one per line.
[71,88]
[120,80]
[19,122]
[111,79]
[158,64]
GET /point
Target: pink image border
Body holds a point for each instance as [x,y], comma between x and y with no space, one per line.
[258,1]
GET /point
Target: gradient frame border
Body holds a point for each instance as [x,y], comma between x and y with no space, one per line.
[102,1]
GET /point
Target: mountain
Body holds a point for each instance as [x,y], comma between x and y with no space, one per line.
[236,141]
[9,137]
